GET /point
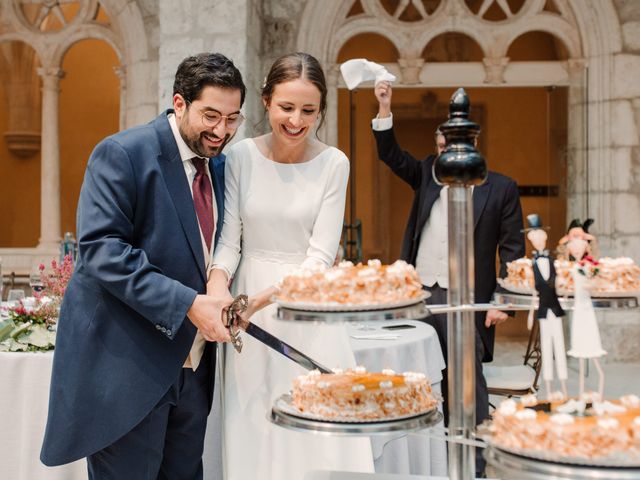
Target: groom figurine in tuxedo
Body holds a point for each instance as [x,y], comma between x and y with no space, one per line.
[550,312]
[497,225]
[133,368]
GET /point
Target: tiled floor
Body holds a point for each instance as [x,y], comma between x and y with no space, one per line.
[617,375]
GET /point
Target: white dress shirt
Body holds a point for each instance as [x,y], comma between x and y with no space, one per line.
[186,154]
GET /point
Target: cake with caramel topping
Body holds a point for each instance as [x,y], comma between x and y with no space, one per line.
[349,284]
[578,429]
[359,395]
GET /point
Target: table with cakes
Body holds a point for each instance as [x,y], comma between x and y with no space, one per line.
[580,437]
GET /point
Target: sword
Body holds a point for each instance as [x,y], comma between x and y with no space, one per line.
[236,324]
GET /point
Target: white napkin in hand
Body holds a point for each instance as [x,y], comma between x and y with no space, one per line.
[359,70]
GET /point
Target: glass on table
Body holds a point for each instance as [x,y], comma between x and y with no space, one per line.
[35,281]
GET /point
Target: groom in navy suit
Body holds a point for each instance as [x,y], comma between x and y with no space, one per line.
[132,379]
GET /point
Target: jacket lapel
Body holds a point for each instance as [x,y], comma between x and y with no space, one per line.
[216,167]
[178,187]
[480,196]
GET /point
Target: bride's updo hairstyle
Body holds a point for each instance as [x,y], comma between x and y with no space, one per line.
[291,67]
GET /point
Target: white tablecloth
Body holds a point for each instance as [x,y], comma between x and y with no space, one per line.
[417,349]
[24,399]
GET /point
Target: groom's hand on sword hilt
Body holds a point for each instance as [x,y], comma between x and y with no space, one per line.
[206,315]
[238,306]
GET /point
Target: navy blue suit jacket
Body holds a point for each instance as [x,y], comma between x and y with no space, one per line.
[123,335]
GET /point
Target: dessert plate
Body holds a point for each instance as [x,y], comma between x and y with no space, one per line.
[618,460]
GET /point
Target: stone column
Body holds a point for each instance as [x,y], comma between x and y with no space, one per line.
[121,72]
[50,163]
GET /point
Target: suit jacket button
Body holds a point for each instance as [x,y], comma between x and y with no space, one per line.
[169,333]
[158,327]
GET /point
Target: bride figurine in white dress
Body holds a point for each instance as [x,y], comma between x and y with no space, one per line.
[585,335]
[284,208]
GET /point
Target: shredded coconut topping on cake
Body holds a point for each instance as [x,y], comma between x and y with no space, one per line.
[562,419]
[529,400]
[607,408]
[631,401]
[608,423]
[571,406]
[507,407]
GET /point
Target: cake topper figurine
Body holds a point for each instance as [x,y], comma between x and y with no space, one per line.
[585,335]
[550,312]
[577,229]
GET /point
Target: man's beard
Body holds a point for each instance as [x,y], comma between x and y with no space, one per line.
[197,147]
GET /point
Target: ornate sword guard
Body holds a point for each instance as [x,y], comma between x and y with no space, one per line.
[239,305]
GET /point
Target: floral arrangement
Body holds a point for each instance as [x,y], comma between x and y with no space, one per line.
[588,266]
[32,323]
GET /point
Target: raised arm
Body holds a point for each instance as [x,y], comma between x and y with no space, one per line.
[402,163]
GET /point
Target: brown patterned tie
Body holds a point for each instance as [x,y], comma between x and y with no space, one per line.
[203,200]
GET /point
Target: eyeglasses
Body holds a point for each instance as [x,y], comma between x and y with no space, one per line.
[211,118]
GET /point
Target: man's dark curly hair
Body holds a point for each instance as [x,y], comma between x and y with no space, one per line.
[207,70]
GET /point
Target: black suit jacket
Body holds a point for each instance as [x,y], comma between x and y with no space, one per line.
[497,221]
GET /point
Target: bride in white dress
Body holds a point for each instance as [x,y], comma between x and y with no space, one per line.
[585,334]
[284,207]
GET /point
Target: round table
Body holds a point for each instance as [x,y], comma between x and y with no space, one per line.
[24,399]
[413,349]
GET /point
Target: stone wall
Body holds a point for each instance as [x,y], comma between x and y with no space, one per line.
[626,139]
[193,26]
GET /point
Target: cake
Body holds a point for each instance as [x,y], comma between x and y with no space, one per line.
[359,395]
[615,276]
[577,429]
[349,284]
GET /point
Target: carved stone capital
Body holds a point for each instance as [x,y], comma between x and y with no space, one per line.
[51,78]
[494,69]
[23,144]
[410,69]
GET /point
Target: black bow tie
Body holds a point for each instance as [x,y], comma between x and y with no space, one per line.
[544,253]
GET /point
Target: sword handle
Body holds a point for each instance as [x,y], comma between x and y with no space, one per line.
[239,305]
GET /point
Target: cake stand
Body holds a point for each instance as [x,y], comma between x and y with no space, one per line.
[516,467]
[521,301]
[283,414]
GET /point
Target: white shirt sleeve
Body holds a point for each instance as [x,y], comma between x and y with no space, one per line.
[380,124]
[227,253]
[327,228]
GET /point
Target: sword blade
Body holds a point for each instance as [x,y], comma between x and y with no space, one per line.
[283,348]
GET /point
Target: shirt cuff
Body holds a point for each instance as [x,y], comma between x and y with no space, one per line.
[380,124]
[213,267]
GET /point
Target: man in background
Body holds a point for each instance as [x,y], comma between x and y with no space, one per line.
[498,224]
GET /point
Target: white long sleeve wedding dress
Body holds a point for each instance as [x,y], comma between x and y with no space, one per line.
[277,217]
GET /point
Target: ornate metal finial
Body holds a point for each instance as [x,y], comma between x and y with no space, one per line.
[460,163]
